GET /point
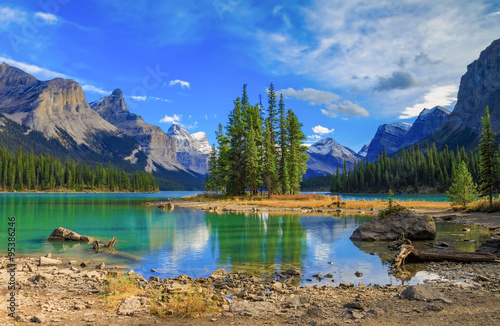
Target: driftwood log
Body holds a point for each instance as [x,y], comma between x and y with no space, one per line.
[409,253]
[109,245]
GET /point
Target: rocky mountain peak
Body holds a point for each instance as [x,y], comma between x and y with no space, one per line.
[428,121]
[14,77]
[364,150]
[178,130]
[325,155]
[115,103]
[388,136]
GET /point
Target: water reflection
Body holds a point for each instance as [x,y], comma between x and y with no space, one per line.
[196,243]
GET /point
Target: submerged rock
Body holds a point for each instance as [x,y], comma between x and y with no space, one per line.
[412,225]
[63,234]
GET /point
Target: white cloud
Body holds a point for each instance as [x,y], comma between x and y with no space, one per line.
[347,108]
[40,73]
[47,18]
[322,130]
[183,84]
[312,95]
[335,40]
[148,98]
[171,119]
[314,137]
[443,95]
[9,15]
[93,89]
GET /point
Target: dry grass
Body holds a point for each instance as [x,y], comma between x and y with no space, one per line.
[192,303]
[117,288]
[483,205]
[313,201]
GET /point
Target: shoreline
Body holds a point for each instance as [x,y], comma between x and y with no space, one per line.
[489,220]
[74,295]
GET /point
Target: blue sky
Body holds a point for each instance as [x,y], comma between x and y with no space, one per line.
[345,67]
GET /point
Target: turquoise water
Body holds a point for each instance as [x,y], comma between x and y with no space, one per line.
[195,242]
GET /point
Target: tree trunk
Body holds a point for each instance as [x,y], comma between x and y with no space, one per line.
[408,252]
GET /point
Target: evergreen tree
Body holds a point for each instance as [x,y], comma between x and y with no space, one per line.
[210,180]
[488,157]
[463,189]
[283,146]
[297,157]
[270,160]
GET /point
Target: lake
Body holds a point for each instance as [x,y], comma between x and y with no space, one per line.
[196,243]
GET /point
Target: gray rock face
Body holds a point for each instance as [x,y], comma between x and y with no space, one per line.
[428,121]
[52,107]
[414,227]
[390,136]
[193,150]
[364,150]
[325,155]
[479,87]
[156,144]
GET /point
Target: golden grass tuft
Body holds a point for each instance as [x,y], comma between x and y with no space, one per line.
[117,288]
[192,303]
[483,205]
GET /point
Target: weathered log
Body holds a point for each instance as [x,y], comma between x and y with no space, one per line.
[110,243]
[96,246]
[409,253]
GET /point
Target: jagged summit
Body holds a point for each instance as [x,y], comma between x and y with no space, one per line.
[427,122]
[57,108]
[479,87]
[325,155]
[192,149]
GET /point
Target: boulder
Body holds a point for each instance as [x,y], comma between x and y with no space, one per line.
[44,261]
[423,293]
[412,225]
[63,234]
[219,274]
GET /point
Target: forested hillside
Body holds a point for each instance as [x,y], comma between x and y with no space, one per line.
[30,172]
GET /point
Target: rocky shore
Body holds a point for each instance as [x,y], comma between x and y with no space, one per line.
[69,294]
[217,207]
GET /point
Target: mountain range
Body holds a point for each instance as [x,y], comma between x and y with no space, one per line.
[54,117]
[479,87]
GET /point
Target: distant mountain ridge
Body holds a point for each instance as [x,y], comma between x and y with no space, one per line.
[479,87]
[325,155]
[54,117]
[192,150]
[396,135]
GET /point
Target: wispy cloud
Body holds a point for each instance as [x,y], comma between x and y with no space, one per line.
[444,96]
[312,95]
[183,84]
[328,99]
[322,130]
[47,18]
[9,15]
[347,108]
[94,89]
[398,80]
[171,119]
[148,98]
[334,41]
[39,72]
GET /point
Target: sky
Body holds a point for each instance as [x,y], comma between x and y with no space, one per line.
[344,67]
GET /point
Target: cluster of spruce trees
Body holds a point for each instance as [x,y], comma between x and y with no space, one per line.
[413,170]
[23,171]
[257,153]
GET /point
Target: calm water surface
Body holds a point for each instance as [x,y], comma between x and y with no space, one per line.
[196,243]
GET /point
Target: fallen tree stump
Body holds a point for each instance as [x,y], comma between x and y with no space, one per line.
[411,254]
[96,246]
